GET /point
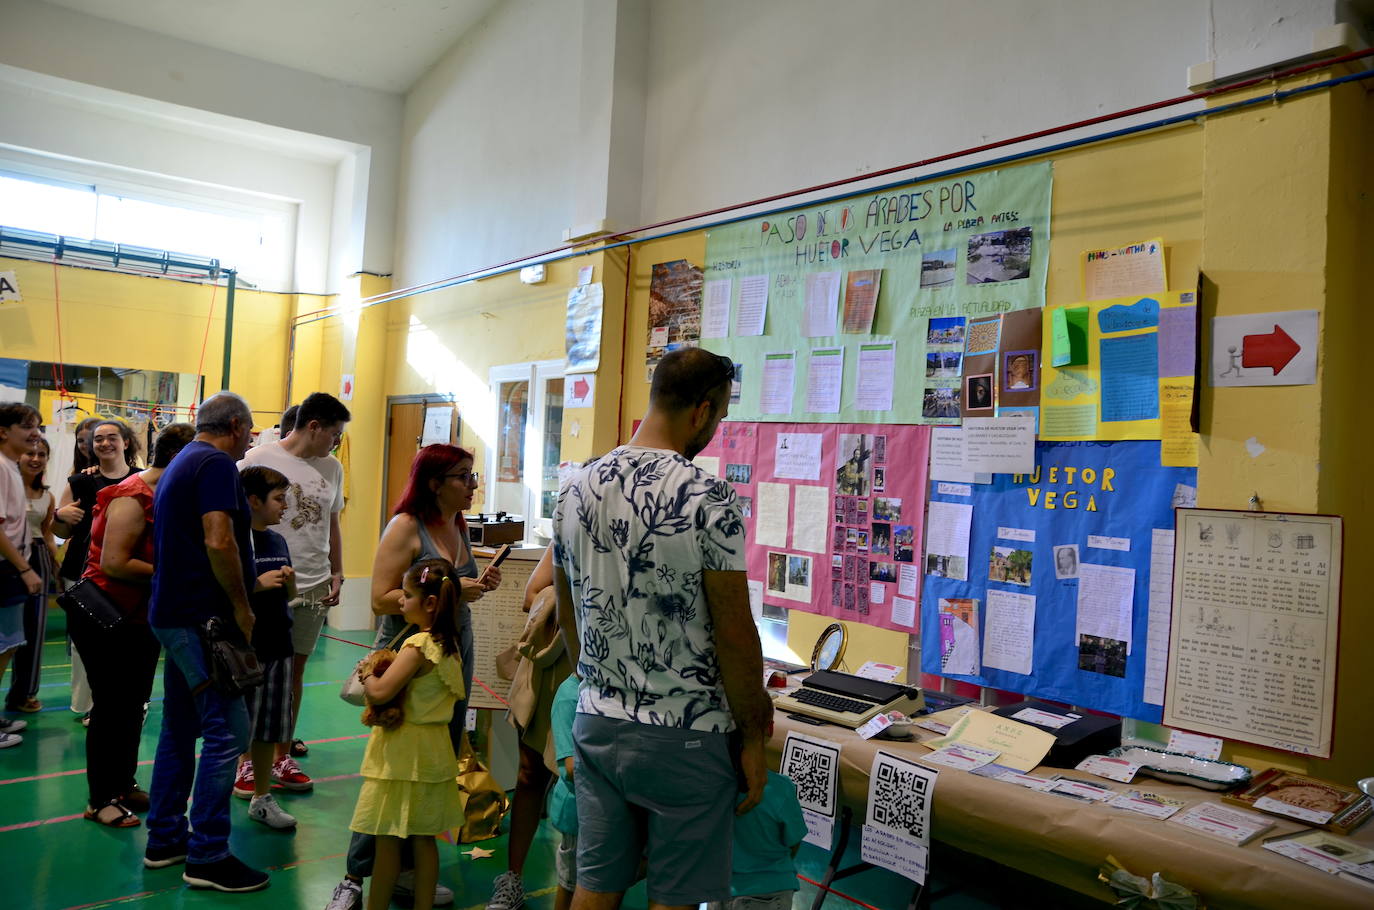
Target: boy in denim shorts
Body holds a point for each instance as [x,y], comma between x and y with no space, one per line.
[269,704]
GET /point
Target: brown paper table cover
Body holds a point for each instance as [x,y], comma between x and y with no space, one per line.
[1066,842]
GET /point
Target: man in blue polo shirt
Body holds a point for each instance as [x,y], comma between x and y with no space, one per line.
[202,567]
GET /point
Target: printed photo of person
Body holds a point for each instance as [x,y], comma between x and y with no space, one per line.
[879,480]
[882,539]
[739,473]
[1018,371]
[777,573]
[903,540]
[1066,561]
[978,392]
[853,472]
[882,571]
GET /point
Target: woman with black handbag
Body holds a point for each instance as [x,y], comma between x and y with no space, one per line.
[107,617]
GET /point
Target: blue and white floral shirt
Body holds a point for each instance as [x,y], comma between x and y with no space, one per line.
[633,531]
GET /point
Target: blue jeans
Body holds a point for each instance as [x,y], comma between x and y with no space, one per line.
[191,710]
[362,848]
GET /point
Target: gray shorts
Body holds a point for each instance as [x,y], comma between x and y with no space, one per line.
[307,618]
[565,862]
[662,791]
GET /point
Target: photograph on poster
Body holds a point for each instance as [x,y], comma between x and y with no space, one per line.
[799,571]
[946,330]
[746,506]
[853,469]
[879,480]
[943,364]
[737,384]
[882,539]
[1018,370]
[978,392]
[940,404]
[777,572]
[739,473]
[882,571]
[983,335]
[938,268]
[886,509]
[903,543]
[837,566]
[1102,655]
[1066,561]
[861,540]
[1010,565]
[999,256]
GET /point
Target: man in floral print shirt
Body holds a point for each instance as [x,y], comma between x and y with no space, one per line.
[649,569]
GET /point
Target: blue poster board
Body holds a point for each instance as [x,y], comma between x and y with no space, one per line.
[1115,493]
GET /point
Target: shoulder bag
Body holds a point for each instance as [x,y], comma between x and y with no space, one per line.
[90,600]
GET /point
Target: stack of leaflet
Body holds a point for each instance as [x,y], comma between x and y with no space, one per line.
[1076,735]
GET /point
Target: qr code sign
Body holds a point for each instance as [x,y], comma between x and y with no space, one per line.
[814,767]
[899,795]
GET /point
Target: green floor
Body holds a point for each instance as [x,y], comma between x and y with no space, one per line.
[58,860]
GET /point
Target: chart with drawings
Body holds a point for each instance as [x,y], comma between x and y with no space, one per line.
[1252,651]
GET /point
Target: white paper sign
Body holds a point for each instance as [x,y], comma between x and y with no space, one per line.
[902,855]
[900,795]
[1123,544]
[904,612]
[1265,349]
[1279,807]
[824,380]
[953,489]
[1029,781]
[999,445]
[1026,534]
[1044,718]
[1009,636]
[797,456]
[779,373]
[1082,790]
[813,765]
[579,391]
[880,672]
[1143,806]
[1117,769]
[1195,744]
[822,304]
[962,757]
[438,425]
[715,308]
[878,724]
[877,364]
[753,305]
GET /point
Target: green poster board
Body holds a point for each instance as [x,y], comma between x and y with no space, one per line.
[972,245]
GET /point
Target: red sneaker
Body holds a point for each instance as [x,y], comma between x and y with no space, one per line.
[289,774]
[243,781]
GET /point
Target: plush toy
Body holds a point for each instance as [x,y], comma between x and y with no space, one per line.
[387,715]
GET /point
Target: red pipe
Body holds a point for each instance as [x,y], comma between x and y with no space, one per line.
[1001,143]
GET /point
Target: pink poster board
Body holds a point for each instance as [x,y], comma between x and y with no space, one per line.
[833,515]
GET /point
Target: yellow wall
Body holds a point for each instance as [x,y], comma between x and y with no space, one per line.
[115,320]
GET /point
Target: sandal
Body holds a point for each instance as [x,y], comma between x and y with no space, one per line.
[125,818]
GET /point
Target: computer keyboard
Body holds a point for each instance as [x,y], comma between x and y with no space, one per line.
[832,702]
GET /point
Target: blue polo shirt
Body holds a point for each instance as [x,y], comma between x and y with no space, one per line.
[201,479]
[761,862]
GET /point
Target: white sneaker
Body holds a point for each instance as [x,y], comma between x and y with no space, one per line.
[508,892]
[348,895]
[404,892]
[10,739]
[265,809]
[13,726]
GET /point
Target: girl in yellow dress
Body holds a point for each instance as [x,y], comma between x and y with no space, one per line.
[410,787]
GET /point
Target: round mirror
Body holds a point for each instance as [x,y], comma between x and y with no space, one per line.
[829,650]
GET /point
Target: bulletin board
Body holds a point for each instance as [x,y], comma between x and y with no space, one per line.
[864,276]
[1001,607]
[833,515]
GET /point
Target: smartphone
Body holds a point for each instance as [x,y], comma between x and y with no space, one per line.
[496,561]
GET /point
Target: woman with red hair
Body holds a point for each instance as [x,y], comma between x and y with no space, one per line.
[427,523]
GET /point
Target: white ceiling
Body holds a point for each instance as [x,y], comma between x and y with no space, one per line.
[379,44]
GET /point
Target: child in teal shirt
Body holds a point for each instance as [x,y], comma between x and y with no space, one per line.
[562,801]
[762,875]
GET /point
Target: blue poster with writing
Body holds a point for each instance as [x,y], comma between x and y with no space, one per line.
[1053,594]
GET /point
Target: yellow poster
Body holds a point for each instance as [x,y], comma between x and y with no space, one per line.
[1122,369]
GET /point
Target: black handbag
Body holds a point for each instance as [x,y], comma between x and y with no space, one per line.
[87,598]
[234,665]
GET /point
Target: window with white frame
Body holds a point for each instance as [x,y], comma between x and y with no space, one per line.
[522,462]
[257,240]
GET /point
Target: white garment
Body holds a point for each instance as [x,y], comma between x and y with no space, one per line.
[62,443]
[634,530]
[14,505]
[315,495]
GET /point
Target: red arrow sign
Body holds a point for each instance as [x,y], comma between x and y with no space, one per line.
[1275,350]
[581,388]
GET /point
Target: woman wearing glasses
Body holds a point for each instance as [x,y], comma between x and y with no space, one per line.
[427,523]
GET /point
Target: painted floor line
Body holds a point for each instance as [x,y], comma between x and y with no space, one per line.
[149,761]
[40,822]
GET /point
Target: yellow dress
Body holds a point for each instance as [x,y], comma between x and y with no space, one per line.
[410,774]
